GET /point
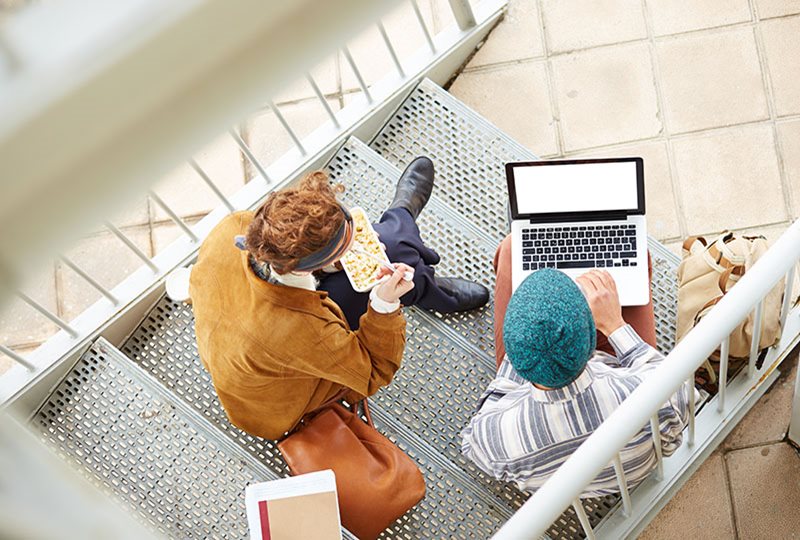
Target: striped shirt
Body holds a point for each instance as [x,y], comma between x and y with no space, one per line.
[522,434]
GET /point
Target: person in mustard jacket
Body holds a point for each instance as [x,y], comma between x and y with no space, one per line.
[281,331]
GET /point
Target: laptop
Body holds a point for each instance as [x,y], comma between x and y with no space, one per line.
[581,214]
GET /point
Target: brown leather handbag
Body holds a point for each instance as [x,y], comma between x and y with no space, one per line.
[375,480]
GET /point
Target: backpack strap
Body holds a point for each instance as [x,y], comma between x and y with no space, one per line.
[687,244]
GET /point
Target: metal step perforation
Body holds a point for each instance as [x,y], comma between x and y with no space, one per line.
[148,449]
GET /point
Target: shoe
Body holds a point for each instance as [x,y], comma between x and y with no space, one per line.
[414,187]
[468,294]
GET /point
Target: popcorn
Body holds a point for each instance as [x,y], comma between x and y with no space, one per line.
[361,270]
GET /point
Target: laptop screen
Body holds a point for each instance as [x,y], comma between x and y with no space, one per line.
[576,186]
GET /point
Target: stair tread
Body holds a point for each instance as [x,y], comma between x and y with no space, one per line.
[134,439]
[469,154]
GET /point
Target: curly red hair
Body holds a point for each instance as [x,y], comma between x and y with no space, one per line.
[295,222]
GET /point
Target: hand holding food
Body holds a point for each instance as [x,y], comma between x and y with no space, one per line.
[396,286]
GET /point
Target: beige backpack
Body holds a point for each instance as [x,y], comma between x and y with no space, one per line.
[708,270]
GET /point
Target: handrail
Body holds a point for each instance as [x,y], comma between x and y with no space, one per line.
[569,481]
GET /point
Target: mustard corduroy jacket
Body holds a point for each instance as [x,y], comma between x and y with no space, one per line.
[277,352]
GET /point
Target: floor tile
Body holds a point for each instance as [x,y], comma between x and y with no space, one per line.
[781,39]
[269,141]
[515,98]
[20,323]
[606,96]
[683,517]
[711,80]
[107,260]
[763,483]
[789,137]
[576,24]
[517,37]
[132,215]
[163,234]
[768,420]
[370,52]
[716,175]
[776,8]
[187,194]
[325,74]
[437,14]
[674,16]
[662,217]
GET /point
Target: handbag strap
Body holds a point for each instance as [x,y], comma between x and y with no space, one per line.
[724,278]
[364,405]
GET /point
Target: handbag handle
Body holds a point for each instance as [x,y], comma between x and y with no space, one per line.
[365,405]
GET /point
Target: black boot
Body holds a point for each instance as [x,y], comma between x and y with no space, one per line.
[414,187]
[468,294]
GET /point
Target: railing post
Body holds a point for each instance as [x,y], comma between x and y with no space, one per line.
[19,359]
[722,384]
[423,26]
[577,505]
[692,413]
[794,423]
[462,11]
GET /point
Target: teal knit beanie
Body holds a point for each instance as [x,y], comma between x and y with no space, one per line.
[548,330]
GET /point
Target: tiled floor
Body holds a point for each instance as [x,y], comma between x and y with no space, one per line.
[748,488]
[706,91]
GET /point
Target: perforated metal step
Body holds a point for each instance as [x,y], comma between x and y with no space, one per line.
[164,345]
[140,443]
[469,154]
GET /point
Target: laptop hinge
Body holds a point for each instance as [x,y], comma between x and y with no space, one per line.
[582,216]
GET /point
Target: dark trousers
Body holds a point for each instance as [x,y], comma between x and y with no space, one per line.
[400,234]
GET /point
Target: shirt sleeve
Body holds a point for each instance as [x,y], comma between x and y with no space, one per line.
[380,305]
[640,359]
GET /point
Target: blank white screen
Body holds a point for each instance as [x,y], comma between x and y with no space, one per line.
[585,187]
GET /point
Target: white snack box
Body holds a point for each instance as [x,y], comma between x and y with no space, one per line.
[351,260]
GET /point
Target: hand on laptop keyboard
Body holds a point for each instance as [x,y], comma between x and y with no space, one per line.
[601,293]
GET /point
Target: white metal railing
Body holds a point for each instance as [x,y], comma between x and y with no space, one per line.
[445,48]
[603,446]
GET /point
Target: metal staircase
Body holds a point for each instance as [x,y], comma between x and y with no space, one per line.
[144,423]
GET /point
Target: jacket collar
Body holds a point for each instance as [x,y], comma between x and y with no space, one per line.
[286,296]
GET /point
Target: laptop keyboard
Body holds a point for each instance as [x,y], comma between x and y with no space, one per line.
[598,246]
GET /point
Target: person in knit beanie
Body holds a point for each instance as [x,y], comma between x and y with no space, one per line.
[549,331]
[553,388]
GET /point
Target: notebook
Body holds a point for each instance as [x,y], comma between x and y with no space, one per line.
[304,506]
